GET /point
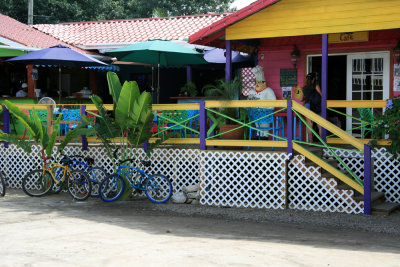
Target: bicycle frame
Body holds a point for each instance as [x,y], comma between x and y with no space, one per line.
[134,170]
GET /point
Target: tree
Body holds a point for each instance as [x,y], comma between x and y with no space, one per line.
[55,11]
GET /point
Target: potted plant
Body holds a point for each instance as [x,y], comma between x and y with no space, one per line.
[227,90]
[189,89]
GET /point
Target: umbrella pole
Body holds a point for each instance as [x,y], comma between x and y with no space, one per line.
[59,84]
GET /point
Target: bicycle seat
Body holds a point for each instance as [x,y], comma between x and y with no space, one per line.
[146,163]
[89,160]
[65,161]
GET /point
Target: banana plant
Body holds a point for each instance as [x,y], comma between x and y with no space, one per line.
[35,128]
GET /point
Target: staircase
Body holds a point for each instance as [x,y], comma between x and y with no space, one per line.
[378,204]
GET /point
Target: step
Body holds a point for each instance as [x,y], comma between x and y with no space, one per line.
[376,197]
[384,208]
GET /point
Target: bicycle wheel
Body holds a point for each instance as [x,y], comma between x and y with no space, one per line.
[158,188]
[111,188]
[58,173]
[2,185]
[97,175]
[79,185]
[37,183]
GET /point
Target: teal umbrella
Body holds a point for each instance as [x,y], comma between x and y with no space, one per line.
[160,52]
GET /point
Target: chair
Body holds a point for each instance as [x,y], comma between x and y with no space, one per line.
[168,118]
[69,115]
[194,122]
[262,119]
[367,120]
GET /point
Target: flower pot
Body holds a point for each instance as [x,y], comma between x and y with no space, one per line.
[234,135]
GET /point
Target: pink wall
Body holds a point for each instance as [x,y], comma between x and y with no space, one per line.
[272,62]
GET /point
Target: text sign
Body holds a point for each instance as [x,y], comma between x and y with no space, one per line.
[348,37]
[288,77]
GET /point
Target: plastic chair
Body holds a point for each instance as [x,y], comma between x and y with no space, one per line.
[69,115]
[166,118]
[367,119]
[259,119]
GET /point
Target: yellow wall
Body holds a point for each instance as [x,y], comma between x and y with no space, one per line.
[308,17]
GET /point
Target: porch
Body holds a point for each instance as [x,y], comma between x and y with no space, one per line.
[340,174]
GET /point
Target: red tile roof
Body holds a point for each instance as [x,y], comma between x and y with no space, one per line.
[129,30]
[21,33]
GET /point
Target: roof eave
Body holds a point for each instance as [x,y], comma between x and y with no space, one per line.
[210,33]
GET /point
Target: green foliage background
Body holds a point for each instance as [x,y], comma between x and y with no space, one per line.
[55,11]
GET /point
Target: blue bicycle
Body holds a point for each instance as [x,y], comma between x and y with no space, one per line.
[157,187]
[96,174]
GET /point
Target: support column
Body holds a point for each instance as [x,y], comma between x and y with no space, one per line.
[31,82]
[228,66]
[203,125]
[367,179]
[324,81]
[84,139]
[188,73]
[6,123]
[290,128]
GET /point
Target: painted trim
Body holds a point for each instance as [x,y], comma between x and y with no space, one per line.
[246,103]
[244,143]
[329,126]
[356,103]
[193,106]
[177,140]
[382,142]
[336,173]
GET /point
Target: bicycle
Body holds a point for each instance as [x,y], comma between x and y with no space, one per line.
[38,182]
[157,187]
[96,174]
[2,184]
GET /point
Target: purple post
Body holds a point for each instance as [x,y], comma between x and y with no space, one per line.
[6,123]
[290,128]
[203,125]
[324,80]
[146,145]
[228,66]
[84,140]
[188,73]
[367,179]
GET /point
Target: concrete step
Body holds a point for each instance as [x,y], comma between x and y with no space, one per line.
[384,208]
[376,197]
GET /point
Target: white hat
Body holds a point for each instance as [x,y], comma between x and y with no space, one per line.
[24,85]
[259,73]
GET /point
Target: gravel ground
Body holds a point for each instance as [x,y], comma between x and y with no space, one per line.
[369,223]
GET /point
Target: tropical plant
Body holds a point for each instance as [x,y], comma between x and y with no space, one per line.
[189,89]
[224,90]
[35,128]
[389,124]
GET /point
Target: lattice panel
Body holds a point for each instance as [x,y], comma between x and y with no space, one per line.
[309,191]
[386,171]
[248,80]
[243,179]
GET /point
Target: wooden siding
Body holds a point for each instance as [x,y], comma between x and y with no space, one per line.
[309,17]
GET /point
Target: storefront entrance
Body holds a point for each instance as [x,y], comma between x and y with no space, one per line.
[355,76]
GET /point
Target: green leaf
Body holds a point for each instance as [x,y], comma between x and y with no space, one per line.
[26,146]
[141,107]
[24,119]
[129,94]
[52,139]
[114,86]
[38,125]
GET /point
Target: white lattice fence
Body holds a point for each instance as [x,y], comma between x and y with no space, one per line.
[243,179]
[386,170]
[309,191]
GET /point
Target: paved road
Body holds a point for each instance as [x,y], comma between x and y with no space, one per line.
[54,230]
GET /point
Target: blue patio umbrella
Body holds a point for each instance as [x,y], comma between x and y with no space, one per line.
[59,55]
[160,52]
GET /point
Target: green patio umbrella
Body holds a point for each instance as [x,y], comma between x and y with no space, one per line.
[160,52]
